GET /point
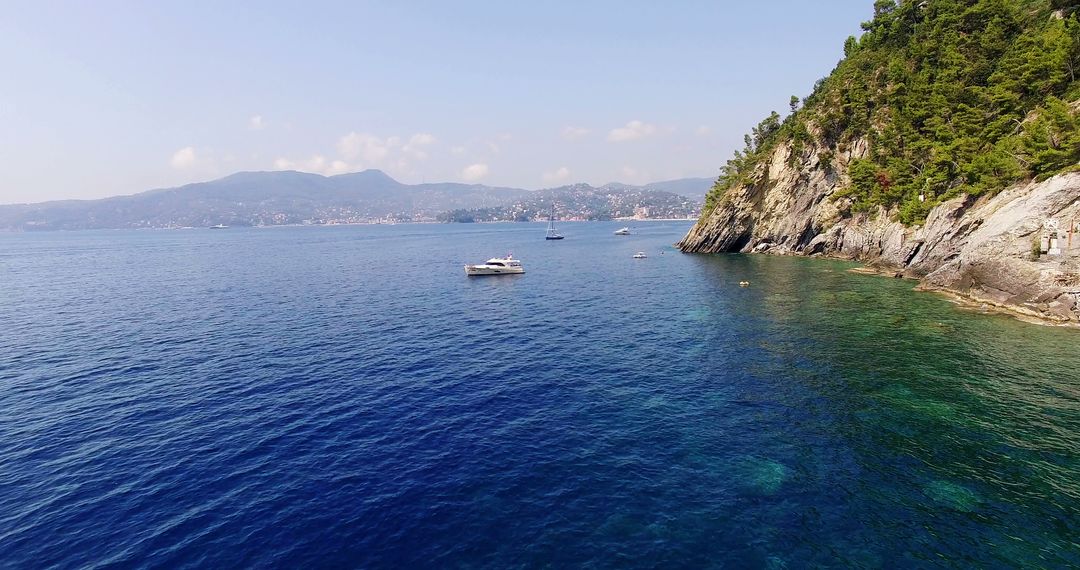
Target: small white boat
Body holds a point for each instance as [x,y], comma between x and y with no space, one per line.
[640,255]
[219,227]
[496,266]
[622,232]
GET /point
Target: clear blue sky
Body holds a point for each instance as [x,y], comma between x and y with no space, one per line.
[106,98]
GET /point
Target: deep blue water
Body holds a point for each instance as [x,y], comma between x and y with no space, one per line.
[346,397]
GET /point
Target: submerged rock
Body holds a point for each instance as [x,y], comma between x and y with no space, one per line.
[760,475]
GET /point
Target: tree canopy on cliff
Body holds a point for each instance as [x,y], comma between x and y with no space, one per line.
[951,96]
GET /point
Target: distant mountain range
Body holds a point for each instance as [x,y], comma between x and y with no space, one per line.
[584,202]
[289,197]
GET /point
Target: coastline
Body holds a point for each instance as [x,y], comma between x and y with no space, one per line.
[981,249]
[966,300]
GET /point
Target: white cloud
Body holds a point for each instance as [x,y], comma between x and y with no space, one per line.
[474,172]
[573,133]
[632,131]
[338,167]
[357,151]
[256,123]
[317,164]
[183,158]
[415,147]
[702,130]
[558,175]
[369,148]
[422,139]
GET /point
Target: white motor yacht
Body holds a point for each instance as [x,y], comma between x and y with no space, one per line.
[640,255]
[496,266]
[622,232]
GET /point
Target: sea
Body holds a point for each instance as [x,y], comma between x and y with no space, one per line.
[345,397]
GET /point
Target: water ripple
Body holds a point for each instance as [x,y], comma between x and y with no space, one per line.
[303,397]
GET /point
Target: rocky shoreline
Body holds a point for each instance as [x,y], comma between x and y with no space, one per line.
[982,250]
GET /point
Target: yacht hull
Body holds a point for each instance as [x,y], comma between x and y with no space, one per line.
[473,271]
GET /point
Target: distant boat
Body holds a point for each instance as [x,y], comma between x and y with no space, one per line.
[551,233]
[496,266]
[219,227]
[622,232]
[640,255]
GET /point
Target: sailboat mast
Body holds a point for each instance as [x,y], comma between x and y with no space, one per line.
[551,233]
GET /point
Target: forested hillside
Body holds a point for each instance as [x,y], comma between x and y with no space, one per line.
[944,97]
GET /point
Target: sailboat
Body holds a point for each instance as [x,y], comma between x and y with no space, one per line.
[551,233]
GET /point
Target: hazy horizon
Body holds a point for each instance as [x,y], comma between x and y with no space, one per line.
[115,99]
[534,189]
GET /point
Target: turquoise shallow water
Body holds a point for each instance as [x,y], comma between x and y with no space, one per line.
[346,397]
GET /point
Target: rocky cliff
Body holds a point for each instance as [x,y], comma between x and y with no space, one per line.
[917,153]
[984,249]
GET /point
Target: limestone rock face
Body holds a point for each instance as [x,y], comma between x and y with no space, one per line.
[981,249]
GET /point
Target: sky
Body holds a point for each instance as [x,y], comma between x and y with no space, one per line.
[106,98]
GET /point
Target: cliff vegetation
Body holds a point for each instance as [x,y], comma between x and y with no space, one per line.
[947,97]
